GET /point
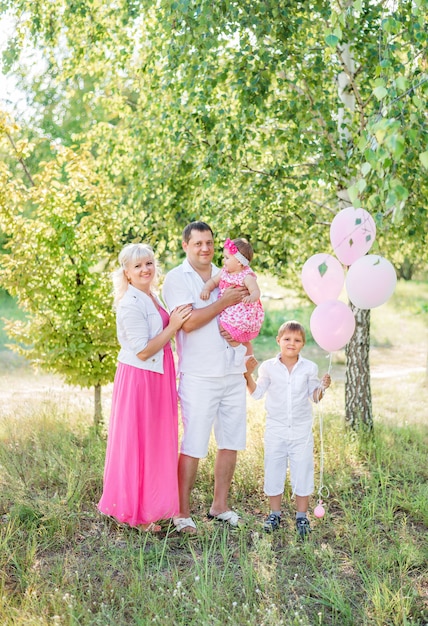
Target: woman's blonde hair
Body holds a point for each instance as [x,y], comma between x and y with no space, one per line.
[131,253]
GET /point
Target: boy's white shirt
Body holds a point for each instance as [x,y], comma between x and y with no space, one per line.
[288,396]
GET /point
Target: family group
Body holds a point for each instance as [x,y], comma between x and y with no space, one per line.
[213,315]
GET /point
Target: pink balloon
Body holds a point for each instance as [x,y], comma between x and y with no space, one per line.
[332,325]
[370,281]
[322,277]
[352,233]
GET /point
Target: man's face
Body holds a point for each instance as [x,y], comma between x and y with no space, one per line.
[199,249]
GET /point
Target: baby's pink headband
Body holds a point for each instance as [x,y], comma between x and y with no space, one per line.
[231,247]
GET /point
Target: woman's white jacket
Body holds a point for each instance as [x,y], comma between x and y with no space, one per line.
[138,321]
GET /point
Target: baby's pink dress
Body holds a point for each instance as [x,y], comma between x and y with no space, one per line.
[243,320]
[140,474]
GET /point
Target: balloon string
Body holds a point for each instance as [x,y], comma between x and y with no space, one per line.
[320,415]
[321,486]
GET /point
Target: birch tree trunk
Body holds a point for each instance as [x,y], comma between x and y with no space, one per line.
[358,397]
[358,401]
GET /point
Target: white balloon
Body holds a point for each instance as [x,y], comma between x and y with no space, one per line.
[370,281]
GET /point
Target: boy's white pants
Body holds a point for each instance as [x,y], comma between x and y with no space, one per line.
[297,455]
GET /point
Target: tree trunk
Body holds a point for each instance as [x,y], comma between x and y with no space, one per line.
[98,411]
[358,397]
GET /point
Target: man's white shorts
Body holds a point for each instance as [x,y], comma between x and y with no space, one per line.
[219,401]
[298,455]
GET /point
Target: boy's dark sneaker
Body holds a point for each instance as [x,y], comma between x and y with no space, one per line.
[303,527]
[271,523]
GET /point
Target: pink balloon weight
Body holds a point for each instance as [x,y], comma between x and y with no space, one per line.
[352,233]
[319,510]
[370,281]
[332,325]
[322,277]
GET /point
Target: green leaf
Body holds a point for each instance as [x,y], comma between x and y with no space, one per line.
[322,269]
[365,168]
[353,193]
[380,92]
[338,32]
[423,157]
[401,83]
[361,185]
[396,145]
[332,40]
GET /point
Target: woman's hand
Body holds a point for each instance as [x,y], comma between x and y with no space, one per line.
[180,315]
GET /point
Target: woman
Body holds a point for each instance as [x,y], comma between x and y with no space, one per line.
[140,474]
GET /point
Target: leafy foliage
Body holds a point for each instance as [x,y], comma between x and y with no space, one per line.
[55,265]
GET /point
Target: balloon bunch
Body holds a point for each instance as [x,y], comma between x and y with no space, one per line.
[370,279]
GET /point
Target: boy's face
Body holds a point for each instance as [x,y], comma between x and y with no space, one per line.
[290,343]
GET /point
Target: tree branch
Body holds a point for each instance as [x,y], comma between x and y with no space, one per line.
[305,92]
[20,159]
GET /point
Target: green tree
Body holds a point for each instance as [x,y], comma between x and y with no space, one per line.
[61,233]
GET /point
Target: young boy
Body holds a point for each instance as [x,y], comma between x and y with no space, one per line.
[290,382]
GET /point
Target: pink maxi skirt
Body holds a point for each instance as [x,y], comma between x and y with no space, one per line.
[140,474]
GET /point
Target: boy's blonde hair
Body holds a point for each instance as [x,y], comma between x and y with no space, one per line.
[292,326]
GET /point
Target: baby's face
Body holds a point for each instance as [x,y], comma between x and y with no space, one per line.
[231,264]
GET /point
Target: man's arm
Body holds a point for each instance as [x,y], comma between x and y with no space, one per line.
[200,317]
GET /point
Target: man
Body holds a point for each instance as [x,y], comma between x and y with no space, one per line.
[212,388]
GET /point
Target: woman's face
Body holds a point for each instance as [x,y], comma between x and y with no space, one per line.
[141,273]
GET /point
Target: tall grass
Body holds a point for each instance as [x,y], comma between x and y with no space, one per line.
[61,562]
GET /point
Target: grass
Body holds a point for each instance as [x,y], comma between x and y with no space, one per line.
[365,564]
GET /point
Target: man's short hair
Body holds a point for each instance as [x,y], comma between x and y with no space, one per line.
[201,226]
